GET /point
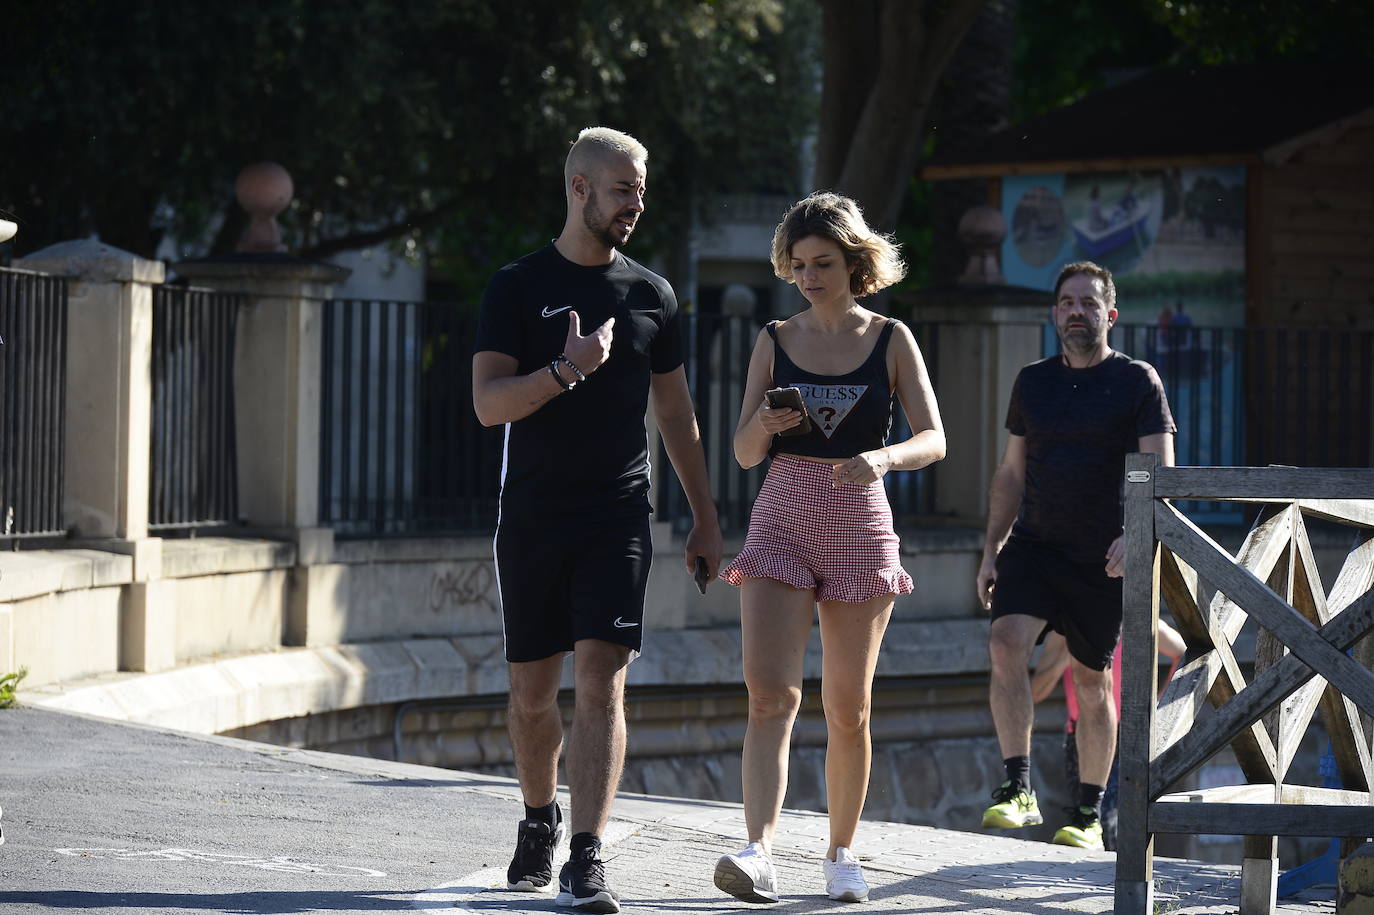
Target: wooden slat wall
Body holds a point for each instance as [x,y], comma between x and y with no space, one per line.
[1317,211]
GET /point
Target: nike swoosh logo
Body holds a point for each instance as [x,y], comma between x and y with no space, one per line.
[550,312]
[621,624]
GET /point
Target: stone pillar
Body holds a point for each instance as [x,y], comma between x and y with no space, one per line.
[109,427]
[276,380]
[985,335]
[109,385]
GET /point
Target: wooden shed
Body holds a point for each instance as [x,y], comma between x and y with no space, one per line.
[1304,135]
[1235,204]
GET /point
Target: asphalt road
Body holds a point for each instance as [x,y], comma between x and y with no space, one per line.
[110,818]
[113,818]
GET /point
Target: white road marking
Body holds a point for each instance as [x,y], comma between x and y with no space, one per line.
[282,863]
[452,898]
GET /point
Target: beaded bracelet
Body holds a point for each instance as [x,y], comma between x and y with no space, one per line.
[553,370]
[575,370]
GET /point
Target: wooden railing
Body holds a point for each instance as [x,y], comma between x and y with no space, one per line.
[1304,659]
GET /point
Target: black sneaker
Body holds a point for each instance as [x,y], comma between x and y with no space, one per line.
[531,870]
[582,884]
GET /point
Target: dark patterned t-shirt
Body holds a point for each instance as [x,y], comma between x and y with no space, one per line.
[1079,425]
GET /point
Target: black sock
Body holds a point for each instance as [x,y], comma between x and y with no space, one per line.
[1091,796]
[583,841]
[546,814]
[1018,771]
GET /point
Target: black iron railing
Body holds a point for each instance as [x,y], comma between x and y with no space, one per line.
[33,379]
[1254,396]
[193,472]
[401,451]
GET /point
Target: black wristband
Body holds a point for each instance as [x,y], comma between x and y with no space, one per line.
[575,370]
[553,370]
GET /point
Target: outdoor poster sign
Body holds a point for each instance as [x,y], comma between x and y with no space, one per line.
[1174,240]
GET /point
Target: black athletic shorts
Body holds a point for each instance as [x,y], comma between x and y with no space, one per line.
[1075,599]
[564,580]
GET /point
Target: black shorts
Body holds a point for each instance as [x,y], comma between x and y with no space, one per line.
[567,579]
[1075,599]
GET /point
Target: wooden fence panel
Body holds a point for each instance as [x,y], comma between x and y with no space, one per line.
[1314,650]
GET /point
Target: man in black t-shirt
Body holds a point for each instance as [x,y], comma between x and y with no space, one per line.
[1072,420]
[572,540]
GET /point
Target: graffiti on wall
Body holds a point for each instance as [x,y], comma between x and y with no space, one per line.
[471,584]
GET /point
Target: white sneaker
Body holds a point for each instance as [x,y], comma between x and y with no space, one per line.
[844,879]
[748,875]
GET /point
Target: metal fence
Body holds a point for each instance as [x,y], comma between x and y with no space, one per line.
[717,361]
[193,475]
[401,451]
[1254,396]
[33,378]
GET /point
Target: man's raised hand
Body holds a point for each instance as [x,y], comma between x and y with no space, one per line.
[587,353]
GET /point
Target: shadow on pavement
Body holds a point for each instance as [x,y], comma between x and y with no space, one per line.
[261,903]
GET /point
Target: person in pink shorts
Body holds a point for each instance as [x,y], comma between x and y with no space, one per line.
[821,530]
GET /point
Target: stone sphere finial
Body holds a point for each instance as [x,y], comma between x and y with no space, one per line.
[263,189]
[982,231]
[738,301]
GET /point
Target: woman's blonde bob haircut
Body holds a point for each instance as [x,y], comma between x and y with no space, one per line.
[874,256]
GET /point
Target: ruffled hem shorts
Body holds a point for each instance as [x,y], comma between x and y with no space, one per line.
[807,533]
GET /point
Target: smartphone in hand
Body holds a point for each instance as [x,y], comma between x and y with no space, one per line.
[789,398]
[701,574]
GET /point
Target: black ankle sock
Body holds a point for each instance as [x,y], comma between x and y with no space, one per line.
[582,841]
[1018,770]
[546,814]
[1091,796]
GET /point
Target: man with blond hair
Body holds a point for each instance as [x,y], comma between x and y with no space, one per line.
[572,541]
[1072,420]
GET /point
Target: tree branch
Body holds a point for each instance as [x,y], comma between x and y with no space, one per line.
[327,246]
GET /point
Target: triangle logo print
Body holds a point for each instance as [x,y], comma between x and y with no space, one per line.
[829,404]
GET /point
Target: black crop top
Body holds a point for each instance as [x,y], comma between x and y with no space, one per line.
[850,413]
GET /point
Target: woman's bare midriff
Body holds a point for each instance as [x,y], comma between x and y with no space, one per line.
[815,460]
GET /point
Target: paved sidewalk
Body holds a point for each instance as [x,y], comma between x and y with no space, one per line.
[117,818]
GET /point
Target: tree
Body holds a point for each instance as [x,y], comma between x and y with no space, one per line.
[883,60]
[1244,31]
[441,118]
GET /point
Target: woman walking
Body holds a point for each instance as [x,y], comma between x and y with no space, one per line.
[821,529]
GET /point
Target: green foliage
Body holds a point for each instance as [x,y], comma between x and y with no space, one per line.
[9,684]
[1068,48]
[915,233]
[442,121]
[1244,31]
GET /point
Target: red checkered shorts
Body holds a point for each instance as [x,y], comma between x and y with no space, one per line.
[807,533]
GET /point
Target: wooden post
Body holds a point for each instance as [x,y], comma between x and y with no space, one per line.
[1259,874]
[1259,866]
[1139,632]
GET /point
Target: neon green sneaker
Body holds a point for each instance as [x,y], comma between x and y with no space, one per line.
[1014,807]
[1084,829]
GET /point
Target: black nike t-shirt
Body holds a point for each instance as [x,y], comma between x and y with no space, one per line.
[585,450]
[1079,425]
